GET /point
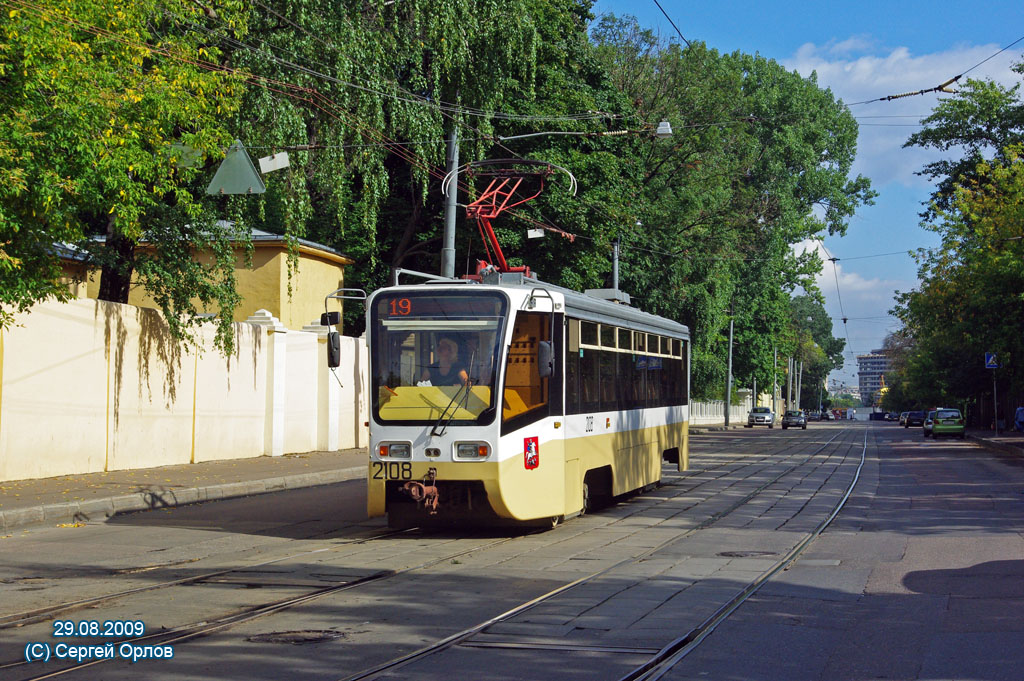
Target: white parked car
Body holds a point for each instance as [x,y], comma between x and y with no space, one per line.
[761,416]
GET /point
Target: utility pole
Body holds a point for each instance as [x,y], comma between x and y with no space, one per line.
[615,263]
[450,203]
[728,378]
[799,383]
[775,379]
[789,383]
[995,404]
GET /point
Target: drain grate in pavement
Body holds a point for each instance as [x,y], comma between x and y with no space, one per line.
[297,637]
[746,554]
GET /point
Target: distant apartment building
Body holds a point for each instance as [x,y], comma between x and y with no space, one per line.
[871,368]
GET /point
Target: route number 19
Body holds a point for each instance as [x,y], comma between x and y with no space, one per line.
[401,307]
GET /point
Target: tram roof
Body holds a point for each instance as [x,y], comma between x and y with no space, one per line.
[578,305]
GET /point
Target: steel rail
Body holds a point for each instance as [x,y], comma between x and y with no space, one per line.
[27,617]
[195,630]
[466,634]
[671,654]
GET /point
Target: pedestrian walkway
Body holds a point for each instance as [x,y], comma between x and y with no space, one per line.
[1008,441]
[96,496]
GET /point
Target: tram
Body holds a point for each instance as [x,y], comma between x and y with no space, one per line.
[498,398]
[508,400]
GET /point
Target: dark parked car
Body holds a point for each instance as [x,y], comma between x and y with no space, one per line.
[914,418]
[794,418]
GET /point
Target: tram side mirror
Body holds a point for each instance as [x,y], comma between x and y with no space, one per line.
[330,319]
[544,365]
[333,349]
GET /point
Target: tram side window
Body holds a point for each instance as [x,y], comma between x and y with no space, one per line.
[609,377]
[655,372]
[572,368]
[525,391]
[684,372]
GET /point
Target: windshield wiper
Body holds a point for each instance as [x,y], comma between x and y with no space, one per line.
[462,403]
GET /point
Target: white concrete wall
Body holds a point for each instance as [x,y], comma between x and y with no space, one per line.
[92,386]
[713,413]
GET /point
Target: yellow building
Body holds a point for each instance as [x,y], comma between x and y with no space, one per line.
[263,286]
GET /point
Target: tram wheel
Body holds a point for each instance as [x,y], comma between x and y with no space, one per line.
[586,499]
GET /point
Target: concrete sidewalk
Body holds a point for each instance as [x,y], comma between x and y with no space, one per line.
[96,496]
[1009,442]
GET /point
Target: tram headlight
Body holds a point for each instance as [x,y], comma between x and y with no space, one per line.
[472,450]
[394,451]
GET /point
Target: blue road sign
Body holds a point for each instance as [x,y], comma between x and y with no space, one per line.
[990,361]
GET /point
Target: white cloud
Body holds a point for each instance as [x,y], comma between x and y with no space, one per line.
[885,126]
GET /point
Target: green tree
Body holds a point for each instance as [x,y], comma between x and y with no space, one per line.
[99,100]
[760,161]
[980,122]
[972,289]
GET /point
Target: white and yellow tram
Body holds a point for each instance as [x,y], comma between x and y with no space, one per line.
[514,400]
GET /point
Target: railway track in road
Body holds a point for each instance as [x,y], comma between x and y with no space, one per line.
[184,633]
[660,659]
[21,619]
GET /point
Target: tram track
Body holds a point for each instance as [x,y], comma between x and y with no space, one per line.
[664,657]
[208,626]
[21,619]
[184,633]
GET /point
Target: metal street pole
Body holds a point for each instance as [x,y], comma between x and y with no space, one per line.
[995,403]
[728,379]
[775,379]
[450,203]
[799,384]
[789,384]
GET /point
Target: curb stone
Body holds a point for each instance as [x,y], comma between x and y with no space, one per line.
[146,500]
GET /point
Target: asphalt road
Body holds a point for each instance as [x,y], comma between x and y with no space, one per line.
[921,576]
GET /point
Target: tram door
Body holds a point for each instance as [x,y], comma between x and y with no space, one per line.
[532,404]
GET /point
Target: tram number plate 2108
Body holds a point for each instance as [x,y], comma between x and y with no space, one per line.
[392,470]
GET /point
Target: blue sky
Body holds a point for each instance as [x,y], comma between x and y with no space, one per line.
[862,50]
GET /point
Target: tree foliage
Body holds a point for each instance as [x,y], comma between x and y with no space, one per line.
[970,298]
[363,94]
[94,96]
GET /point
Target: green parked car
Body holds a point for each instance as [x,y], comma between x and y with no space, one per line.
[948,422]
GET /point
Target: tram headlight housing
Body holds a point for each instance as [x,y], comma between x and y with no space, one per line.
[394,450]
[472,451]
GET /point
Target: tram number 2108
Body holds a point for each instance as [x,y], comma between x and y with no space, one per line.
[392,470]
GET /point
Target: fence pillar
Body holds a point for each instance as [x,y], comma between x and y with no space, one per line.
[277,351]
[327,389]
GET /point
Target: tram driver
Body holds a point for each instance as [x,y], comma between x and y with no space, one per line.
[446,369]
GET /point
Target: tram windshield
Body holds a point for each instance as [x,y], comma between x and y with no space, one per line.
[435,353]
